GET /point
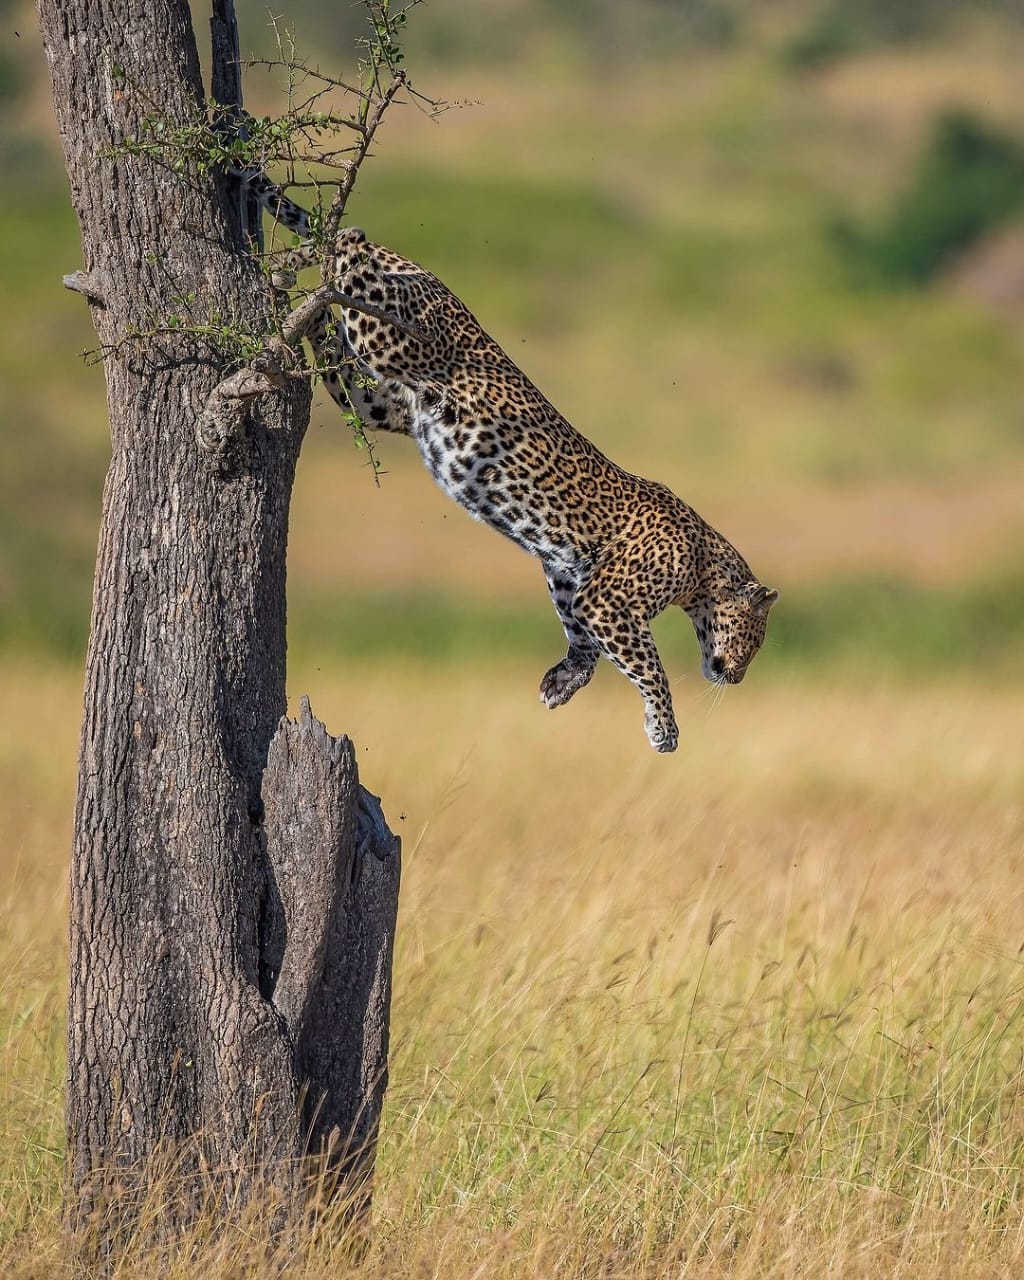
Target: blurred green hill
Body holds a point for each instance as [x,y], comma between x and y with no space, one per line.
[641,204]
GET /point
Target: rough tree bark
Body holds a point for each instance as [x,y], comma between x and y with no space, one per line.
[230,977]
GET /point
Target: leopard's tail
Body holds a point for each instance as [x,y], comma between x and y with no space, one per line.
[277,204]
[233,123]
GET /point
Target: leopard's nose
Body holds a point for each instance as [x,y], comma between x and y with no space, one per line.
[717,666]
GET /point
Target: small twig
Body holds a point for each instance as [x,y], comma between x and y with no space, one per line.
[336,211]
[278,64]
[297,322]
[367,308]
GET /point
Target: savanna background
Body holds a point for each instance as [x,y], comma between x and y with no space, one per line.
[749,1010]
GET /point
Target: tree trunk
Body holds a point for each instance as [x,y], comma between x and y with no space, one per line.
[179,1046]
[329,937]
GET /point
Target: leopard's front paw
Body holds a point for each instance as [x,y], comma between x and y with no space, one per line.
[560,683]
[661,734]
[283,279]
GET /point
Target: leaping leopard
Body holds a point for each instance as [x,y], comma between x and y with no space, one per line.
[616,549]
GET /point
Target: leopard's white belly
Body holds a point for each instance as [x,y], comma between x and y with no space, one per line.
[488,481]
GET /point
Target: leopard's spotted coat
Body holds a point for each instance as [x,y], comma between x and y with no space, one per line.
[616,549]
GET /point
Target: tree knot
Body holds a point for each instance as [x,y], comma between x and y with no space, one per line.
[228,403]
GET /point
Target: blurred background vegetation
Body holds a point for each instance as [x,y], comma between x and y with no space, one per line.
[769,253]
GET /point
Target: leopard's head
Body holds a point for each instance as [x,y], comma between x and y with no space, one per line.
[730,624]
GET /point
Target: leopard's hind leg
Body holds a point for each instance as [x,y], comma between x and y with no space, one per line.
[576,669]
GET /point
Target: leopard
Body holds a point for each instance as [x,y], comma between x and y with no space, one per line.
[409,357]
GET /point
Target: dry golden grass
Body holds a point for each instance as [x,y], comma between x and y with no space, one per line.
[752,1010]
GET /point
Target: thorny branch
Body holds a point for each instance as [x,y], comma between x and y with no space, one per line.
[313,107]
[293,328]
[270,369]
[307,135]
[336,210]
[292,66]
[368,309]
[298,321]
[381,80]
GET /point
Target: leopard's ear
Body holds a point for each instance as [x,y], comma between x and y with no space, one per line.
[762,599]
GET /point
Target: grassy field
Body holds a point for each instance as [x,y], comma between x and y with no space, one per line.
[754,1010]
